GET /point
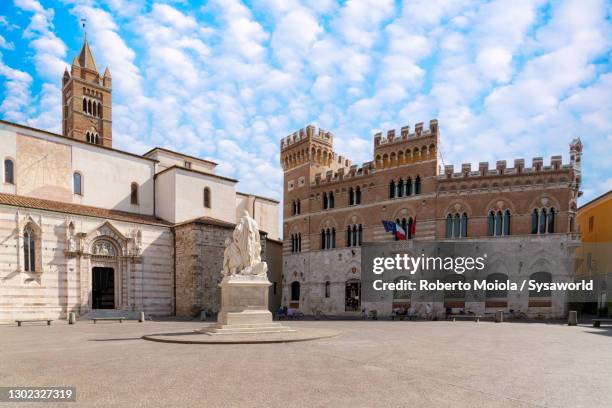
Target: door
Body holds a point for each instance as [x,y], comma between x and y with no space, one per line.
[103,288]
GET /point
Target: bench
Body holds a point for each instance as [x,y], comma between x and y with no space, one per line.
[34,320]
[121,319]
[598,322]
[475,318]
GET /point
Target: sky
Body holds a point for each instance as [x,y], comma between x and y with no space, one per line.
[226,80]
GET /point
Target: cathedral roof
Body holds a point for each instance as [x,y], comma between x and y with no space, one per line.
[86,59]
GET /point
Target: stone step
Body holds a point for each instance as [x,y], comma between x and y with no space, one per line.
[97,313]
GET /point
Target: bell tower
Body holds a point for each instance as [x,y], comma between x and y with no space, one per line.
[87,101]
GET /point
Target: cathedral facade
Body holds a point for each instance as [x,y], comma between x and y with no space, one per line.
[332,208]
[88,228]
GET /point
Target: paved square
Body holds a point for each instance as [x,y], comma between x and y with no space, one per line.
[374,363]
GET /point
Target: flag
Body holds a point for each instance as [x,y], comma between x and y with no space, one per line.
[413,228]
[395,228]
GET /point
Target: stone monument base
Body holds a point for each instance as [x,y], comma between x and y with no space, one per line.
[244,307]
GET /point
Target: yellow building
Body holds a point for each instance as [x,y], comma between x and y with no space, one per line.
[595,224]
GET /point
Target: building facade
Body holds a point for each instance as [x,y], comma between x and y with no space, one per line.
[85,227]
[332,207]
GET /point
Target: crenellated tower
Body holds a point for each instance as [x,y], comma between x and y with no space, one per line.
[87,101]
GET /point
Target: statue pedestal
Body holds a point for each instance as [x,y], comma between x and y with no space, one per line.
[244,307]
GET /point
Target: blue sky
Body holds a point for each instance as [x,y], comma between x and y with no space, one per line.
[226,79]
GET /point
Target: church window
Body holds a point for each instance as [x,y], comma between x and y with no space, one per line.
[9,171]
[84,105]
[77,181]
[134,194]
[207,197]
[29,249]
[99,110]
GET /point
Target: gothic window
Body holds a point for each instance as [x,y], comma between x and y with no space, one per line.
[464,225]
[99,110]
[322,239]
[325,201]
[29,249]
[299,210]
[89,107]
[333,238]
[543,215]
[534,221]
[84,105]
[349,236]
[392,189]
[206,197]
[327,289]
[357,195]
[449,226]
[456,225]
[551,221]
[134,194]
[77,183]
[360,235]
[409,186]
[498,223]
[506,225]
[351,196]
[417,185]
[400,188]
[95,109]
[491,224]
[97,139]
[331,200]
[88,137]
[9,171]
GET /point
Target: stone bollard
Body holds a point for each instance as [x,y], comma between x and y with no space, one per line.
[141,319]
[71,318]
[499,316]
[573,318]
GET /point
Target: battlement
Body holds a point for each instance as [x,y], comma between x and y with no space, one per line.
[405,135]
[352,171]
[537,167]
[306,133]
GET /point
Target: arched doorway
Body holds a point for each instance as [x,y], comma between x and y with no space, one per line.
[102,288]
[295,295]
[542,298]
[105,274]
[454,299]
[352,302]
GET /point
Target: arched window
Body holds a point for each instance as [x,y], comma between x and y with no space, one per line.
[95,109]
[498,223]
[206,197]
[98,141]
[9,171]
[506,226]
[349,236]
[84,105]
[551,221]
[449,226]
[299,210]
[88,136]
[77,183]
[323,239]
[417,185]
[409,232]
[299,242]
[327,289]
[400,188]
[331,200]
[134,194]
[491,224]
[333,238]
[534,221]
[360,235]
[358,196]
[89,107]
[295,291]
[543,215]
[392,189]
[351,196]
[456,225]
[325,201]
[29,249]
[464,225]
[99,109]
[409,186]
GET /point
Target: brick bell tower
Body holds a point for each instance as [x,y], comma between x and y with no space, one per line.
[86,101]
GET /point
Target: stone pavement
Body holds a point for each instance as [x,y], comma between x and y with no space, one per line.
[372,363]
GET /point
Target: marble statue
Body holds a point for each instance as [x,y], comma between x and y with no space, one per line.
[242,255]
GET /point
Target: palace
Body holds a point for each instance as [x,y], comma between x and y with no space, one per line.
[332,208]
[87,228]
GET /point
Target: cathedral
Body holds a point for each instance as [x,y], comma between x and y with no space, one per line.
[333,209]
[91,229]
